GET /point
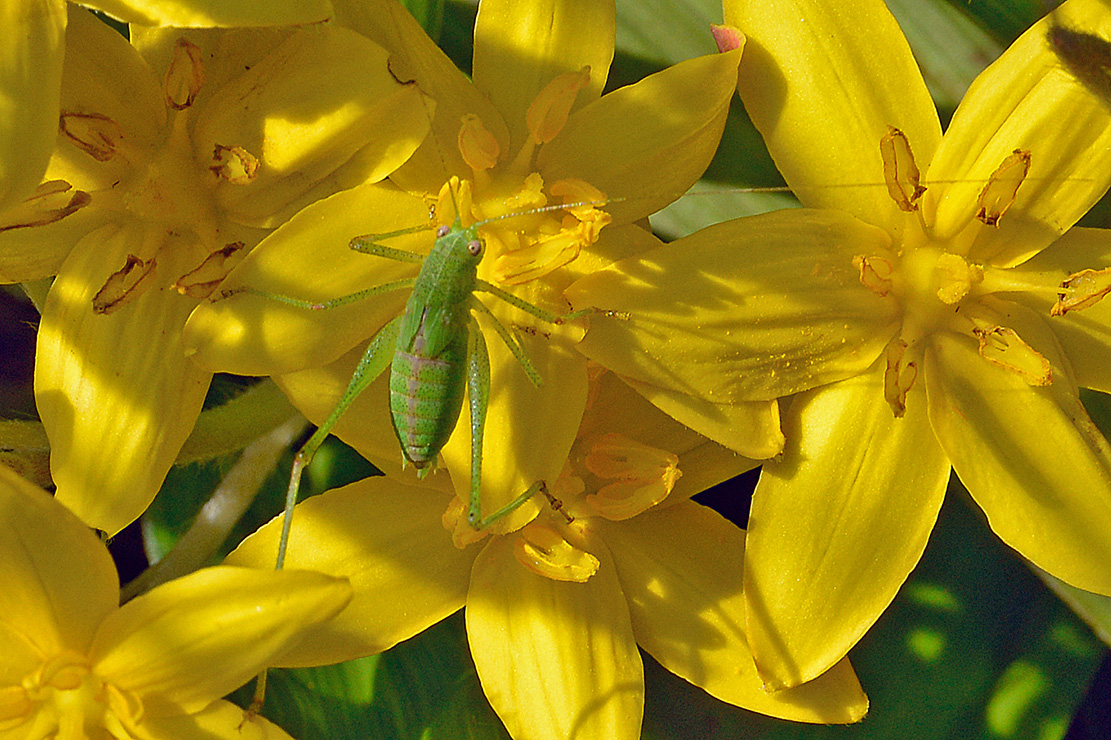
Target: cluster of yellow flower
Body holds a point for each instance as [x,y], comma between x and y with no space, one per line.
[202,186]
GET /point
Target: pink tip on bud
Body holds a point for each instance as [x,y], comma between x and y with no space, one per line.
[727,37]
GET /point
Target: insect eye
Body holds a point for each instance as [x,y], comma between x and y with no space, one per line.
[442,231]
[474,247]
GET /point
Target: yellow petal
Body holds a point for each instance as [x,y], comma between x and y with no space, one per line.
[313,139]
[1029,101]
[1029,455]
[556,659]
[614,404]
[194,639]
[822,82]
[214,13]
[38,233]
[751,309]
[387,539]
[681,570]
[414,56]
[31,37]
[837,525]
[749,428]
[114,391]
[518,49]
[105,75]
[1085,335]
[667,126]
[529,430]
[59,580]
[309,259]
[220,720]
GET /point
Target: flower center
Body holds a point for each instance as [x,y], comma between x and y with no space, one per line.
[938,287]
[65,699]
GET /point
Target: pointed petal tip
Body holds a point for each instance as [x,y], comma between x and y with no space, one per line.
[727,38]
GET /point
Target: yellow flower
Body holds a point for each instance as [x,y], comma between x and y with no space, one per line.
[531,130]
[556,610]
[921,331]
[32,35]
[173,160]
[75,664]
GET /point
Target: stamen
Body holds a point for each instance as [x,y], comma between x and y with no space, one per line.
[898,377]
[234,164]
[185,75]
[1082,290]
[545,552]
[876,273]
[97,135]
[200,282]
[124,285]
[956,277]
[1002,188]
[548,113]
[454,520]
[900,171]
[478,146]
[644,476]
[1003,347]
[52,201]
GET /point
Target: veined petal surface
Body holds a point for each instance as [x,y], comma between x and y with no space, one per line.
[828,545]
[32,34]
[214,13]
[575,670]
[314,139]
[414,56]
[59,580]
[196,638]
[680,567]
[1085,335]
[1029,455]
[822,80]
[668,125]
[747,310]
[539,41]
[309,259]
[116,400]
[1018,103]
[388,540]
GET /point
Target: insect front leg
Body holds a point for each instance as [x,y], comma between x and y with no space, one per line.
[530,308]
[368,244]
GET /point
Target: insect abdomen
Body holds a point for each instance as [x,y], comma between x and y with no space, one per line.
[426,395]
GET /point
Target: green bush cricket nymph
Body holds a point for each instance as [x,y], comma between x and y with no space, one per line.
[435,352]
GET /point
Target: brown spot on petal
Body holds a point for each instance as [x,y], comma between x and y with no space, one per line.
[52,201]
[234,164]
[123,285]
[200,282]
[95,134]
[1002,188]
